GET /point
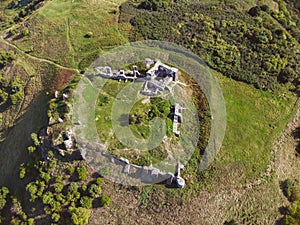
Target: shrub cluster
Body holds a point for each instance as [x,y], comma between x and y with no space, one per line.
[247,46]
[291,189]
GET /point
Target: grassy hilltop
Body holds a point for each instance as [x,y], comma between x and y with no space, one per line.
[253,50]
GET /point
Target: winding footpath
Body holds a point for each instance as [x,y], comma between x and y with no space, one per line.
[2,39]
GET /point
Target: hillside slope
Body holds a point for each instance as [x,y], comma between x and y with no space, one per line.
[44,43]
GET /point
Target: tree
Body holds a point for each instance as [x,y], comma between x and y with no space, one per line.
[16,97]
[84,187]
[291,189]
[95,191]
[293,215]
[81,170]
[73,193]
[30,221]
[99,181]
[86,202]
[4,191]
[48,198]
[32,188]
[105,200]
[80,216]
[16,221]
[58,179]
[71,170]
[255,11]
[45,176]
[26,32]
[154,4]
[73,187]
[55,217]
[3,194]
[58,188]
[56,206]
[31,149]
[35,139]
[61,198]
[22,171]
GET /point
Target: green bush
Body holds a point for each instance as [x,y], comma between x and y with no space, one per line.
[255,11]
[231,222]
[81,170]
[30,221]
[58,179]
[227,41]
[35,139]
[31,149]
[169,124]
[293,215]
[58,188]
[3,196]
[84,187]
[26,32]
[55,217]
[32,188]
[99,181]
[70,170]
[88,35]
[291,189]
[79,216]
[48,198]
[155,4]
[105,200]
[17,97]
[95,190]
[45,176]
[22,172]
[86,202]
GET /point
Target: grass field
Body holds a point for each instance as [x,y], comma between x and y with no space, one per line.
[255,119]
[113,114]
[58,29]
[103,110]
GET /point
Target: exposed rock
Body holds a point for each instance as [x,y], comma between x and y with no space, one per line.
[56,94]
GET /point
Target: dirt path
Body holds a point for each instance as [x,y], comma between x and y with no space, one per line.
[69,40]
[34,57]
[13,148]
[287,164]
[2,39]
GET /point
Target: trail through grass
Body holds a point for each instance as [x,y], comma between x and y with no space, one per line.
[58,31]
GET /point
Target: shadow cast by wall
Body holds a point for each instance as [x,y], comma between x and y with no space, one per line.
[13,148]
